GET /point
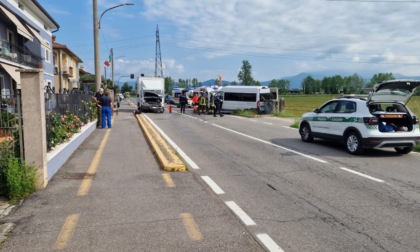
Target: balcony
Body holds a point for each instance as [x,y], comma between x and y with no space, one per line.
[68,73]
[20,55]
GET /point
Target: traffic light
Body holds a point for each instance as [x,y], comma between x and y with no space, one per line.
[132,76]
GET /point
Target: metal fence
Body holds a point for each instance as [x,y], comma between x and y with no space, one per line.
[72,104]
[11,133]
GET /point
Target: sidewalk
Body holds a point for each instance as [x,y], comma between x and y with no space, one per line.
[113,195]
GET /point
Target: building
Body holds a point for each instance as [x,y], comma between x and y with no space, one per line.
[25,42]
[66,68]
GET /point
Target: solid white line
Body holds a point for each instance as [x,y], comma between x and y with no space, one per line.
[363,175]
[268,123]
[184,157]
[275,145]
[269,243]
[240,213]
[212,185]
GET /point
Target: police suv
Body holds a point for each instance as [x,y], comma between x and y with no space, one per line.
[379,120]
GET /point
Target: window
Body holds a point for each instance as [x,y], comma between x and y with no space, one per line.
[329,108]
[240,97]
[47,55]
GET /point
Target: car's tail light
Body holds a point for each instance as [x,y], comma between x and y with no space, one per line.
[370,120]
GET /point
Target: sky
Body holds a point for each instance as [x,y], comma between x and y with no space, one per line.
[279,38]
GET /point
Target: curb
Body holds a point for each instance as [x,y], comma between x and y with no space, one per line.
[166,155]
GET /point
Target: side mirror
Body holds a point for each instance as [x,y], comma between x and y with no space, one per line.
[316,110]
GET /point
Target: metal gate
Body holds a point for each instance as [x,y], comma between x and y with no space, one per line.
[11,132]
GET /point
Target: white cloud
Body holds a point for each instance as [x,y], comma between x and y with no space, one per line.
[329,31]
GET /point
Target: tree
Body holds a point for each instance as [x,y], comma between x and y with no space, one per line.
[308,85]
[168,85]
[380,77]
[282,85]
[126,88]
[245,75]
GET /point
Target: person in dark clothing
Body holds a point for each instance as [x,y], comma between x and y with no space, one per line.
[218,102]
[106,103]
[97,99]
[183,101]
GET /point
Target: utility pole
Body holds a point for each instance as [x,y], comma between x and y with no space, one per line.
[158,57]
[112,66]
[96,45]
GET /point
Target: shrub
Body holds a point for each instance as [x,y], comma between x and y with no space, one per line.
[20,179]
[62,128]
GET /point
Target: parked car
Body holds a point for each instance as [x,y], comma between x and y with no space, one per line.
[169,99]
[379,120]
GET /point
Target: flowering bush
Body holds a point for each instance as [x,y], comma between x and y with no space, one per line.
[61,128]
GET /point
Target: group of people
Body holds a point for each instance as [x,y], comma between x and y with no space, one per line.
[203,104]
[104,109]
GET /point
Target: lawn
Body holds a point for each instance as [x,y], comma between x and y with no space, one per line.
[296,105]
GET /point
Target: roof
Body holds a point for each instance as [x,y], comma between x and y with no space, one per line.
[67,50]
[52,23]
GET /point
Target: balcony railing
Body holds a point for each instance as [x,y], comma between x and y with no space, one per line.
[19,54]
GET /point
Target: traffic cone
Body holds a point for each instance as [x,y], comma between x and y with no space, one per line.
[170,108]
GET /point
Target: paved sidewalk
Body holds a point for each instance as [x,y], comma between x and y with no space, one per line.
[112,195]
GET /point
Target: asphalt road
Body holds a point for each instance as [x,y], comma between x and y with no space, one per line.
[303,196]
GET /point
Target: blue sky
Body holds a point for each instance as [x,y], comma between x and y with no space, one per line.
[206,38]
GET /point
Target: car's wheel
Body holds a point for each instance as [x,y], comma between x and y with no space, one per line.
[354,143]
[306,133]
[403,150]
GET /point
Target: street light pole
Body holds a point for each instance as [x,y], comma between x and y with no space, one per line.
[96,45]
[112,66]
[96,27]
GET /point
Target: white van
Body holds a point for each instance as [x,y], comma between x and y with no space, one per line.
[244,97]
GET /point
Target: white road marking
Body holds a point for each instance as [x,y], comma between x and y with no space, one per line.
[363,175]
[240,213]
[269,243]
[275,145]
[212,185]
[268,123]
[184,157]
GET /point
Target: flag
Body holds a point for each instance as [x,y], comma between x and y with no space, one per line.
[106,63]
[110,55]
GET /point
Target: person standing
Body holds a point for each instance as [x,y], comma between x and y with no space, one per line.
[183,101]
[106,103]
[97,100]
[218,102]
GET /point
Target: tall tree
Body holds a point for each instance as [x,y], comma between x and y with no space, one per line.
[282,85]
[245,75]
[380,77]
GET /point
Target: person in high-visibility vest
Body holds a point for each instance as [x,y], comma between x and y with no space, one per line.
[202,102]
[195,102]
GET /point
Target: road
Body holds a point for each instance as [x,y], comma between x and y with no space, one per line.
[302,196]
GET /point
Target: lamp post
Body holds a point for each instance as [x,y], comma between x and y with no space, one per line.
[96,27]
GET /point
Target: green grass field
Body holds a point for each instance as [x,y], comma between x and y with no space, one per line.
[297,105]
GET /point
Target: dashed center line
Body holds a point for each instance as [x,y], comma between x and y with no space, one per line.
[269,243]
[168,180]
[212,185]
[362,174]
[67,231]
[240,213]
[191,226]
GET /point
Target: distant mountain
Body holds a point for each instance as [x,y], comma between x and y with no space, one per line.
[296,80]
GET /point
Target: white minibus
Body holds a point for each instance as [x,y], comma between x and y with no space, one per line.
[244,97]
